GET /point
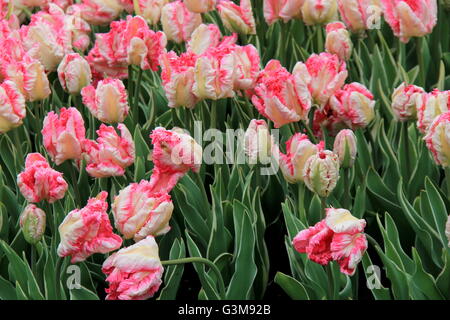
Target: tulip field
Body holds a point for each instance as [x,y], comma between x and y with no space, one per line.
[224,149]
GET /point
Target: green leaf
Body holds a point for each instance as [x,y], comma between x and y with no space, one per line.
[292,287]
[82,293]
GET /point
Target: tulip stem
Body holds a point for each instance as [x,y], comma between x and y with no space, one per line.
[74,183]
[447,179]
[323,200]
[330,281]
[18,145]
[419,48]
[136,94]
[213,124]
[301,202]
[58,277]
[406,142]
[204,261]
[347,188]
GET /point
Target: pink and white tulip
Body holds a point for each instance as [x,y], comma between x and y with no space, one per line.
[345,147]
[108,102]
[178,22]
[286,10]
[110,154]
[87,231]
[151,10]
[39,181]
[324,74]
[64,135]
[360,15]
[338,40]
[236,18]
[74,73]
[321,172]
[12,106]
[280,96]
[258,142]
[430,106]
[139,211]
[204,37]
[410,18]
[319,11]
[135,272]
[246,67]
[200,6]
[438,139]
[97,12]
[404,101]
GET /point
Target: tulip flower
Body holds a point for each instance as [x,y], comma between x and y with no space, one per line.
[151,10]
[345,148]
[140,211]
[178,78]
[360,15]
[97,12]
[281,96]
[204,37]
[321,172]
[39,181]
[410,18]
[12,106]
[200,6]
[354,105]
[246,67]
[108,102]
[74,73]
[338,40]
[80,30]
[282,9]
[430,106]
[258,142]
[319,11]
[111,154]
[87,231]
[134,273]
[236,18]
[404,101]
[438,141]
[174,154]
[64,135]
[324,74]
[338,237]
[298,150]
[178,22]
[32,223]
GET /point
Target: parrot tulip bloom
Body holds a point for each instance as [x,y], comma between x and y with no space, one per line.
[87,231]
[438,139]
[204,37]
[64,135]
[97,12]
[298,150]
[174,154]
[321,172]
[319,11]
[32,223]
[324,74]
[140,211]
[135,272]
[39,181]
[151,10]
[178,78]
[12,106]
[338,40]
[108,102]
[338,237]
[111,154]
[246,67]
[178,22]
[282,9]
[345,148]
[410,18]
[281,96]
[74,73]
[430,106]
[354,105]
[404,101]
[236,18]
[200,6]
[360,15]
[258,142]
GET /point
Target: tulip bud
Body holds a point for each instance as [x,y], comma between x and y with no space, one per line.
[178,22]
[236,18]
[354,105]
[338,40]
[12,106]
[134,273]
[360,15]
[404,101]
[321,173]
[108,102]
[430,106]
[258,142]
[319,11]
[200,6]
[74,73]
[345,148]
[438,139]
[32,223]
[410,18]
[298,150]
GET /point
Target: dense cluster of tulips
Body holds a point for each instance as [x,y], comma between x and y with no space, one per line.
[345,99]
